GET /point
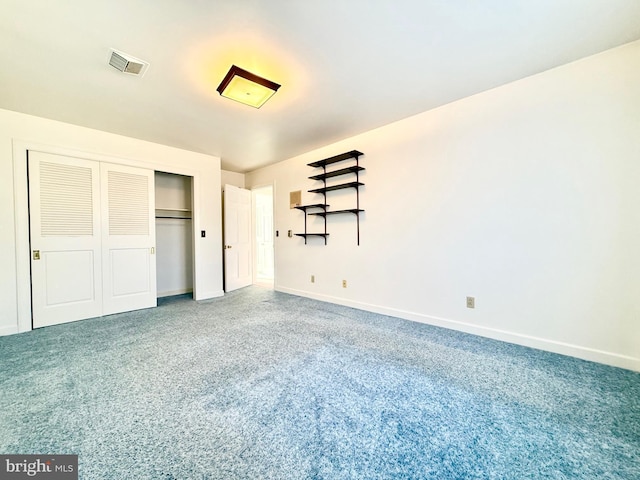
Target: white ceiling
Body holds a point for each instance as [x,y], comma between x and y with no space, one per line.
[346,66]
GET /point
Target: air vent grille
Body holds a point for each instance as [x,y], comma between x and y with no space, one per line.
[118,61]
[127,63]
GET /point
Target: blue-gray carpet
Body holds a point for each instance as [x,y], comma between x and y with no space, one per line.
[264,385]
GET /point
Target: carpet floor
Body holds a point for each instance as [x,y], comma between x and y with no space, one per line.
[264,385]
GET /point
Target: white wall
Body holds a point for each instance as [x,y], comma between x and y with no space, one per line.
[231,178]
[173,192]
[19,132]
[526,197]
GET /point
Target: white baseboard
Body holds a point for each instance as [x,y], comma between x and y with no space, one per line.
[584,353]
[174,292]
[8,330]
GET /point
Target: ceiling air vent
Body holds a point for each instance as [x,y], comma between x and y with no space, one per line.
[127,64]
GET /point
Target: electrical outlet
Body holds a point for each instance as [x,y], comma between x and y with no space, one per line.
[471,302]
[313,279]
[344,284]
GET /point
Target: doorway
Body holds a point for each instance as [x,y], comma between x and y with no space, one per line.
[174,234]
[264,265]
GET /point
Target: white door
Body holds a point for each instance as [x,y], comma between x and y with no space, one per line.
[237,238]
[128,238]
[64,208]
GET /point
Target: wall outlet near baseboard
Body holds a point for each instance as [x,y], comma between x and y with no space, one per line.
[344,284]
[471,302]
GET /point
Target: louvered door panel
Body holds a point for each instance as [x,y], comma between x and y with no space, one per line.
[128,226]
[128,203]
[65,227]
[66,200]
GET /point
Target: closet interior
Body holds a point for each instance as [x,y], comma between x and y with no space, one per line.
[174,234]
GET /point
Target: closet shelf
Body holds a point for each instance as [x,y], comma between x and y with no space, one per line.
[177,213]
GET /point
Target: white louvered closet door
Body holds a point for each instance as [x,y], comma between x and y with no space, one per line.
[66,257]
[128,238]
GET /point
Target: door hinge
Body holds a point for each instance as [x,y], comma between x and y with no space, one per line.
[153,250]
[36,254]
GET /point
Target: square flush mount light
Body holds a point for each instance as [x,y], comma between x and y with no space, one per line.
[246,87]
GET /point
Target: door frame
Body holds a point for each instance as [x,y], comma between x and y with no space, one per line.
[21,204]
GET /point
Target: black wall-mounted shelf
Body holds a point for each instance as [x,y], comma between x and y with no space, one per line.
[335,173]
[336,187]
[338,158]
[333,212]
[305,235]
[304,208]
[353,169]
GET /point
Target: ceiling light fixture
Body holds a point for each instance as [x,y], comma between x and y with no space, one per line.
[246,87]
